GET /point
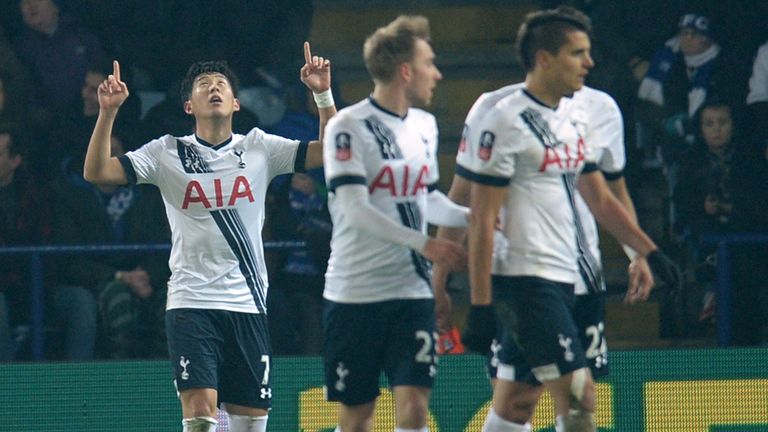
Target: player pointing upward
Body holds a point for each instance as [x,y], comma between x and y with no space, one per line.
[214,183]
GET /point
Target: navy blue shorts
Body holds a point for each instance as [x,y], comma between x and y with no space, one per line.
[589,313]
[362,340]
[222,350]
[539,338]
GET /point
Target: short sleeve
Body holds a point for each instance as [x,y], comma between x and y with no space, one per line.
[489,147]
[285,155]
[607,134]
[146,161]
[434,139]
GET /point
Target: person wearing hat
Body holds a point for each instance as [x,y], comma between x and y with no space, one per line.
[683,74]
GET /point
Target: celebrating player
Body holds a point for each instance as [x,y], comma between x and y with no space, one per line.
[214,183]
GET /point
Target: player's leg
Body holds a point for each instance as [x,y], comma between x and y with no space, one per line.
[194,346]
[515,390]
[411,408]
[245,388]
[550,342]
[356,418]
[574,398]
[352,357]
[198,410]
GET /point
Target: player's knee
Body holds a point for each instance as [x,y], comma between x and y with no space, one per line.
[200,424]
[245,423]
[582,391]
[413,415]
[579,421]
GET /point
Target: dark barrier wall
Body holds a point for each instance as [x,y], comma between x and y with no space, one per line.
[691,391]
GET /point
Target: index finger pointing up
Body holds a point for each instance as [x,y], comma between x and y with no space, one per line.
[307,53]
[116,70]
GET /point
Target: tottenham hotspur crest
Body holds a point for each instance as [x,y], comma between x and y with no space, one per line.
[183,362]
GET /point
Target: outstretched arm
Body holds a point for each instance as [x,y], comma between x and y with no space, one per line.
[100,167]
[316,75]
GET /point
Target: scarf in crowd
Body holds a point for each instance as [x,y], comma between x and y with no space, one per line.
[652,87]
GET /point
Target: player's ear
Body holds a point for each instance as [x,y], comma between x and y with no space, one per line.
[236,104]
[543,58]
[405,72]
[188,107]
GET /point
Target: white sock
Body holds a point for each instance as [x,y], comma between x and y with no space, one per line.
[494,423]
[199,424]
[559,426]
[244,423]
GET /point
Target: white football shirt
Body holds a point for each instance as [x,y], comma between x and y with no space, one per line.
[396,159]
[214,200]
[604,133]
[537,152]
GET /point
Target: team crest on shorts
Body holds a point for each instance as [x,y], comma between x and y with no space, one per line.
[343,146]
[487,139]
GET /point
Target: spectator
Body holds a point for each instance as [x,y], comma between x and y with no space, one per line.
[24,220]
[72,131]
[295,301]
[702,198]
[703,195]
[681,74]
[129,288]
[57,51]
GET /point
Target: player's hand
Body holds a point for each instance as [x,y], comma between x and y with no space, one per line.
[316,72]
[480,329]
[443,311]
[112,91]
[664,269]
[446,253]
[641,281]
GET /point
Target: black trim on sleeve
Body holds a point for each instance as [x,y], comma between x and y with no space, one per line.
[301,157]
[590,167]
[130,173]
[345,180]
[613,176]
[432,187]
[481,178]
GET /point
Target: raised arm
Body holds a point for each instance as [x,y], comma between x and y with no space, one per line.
[316,75]
[100,167]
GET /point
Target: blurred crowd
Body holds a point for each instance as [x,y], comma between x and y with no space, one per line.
[690,77]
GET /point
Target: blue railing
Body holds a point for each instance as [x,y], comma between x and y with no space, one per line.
[37,290]
[724,291]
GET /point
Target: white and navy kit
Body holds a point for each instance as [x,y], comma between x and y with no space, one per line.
[537,152]
[216,311]
[379,313]
[396,159]
[604,133]
[214,199]
[604,130]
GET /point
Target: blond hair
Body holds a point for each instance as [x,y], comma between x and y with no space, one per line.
[391,45]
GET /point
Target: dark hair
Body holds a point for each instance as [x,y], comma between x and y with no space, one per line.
[548,30]
[718,101]
[205,68]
